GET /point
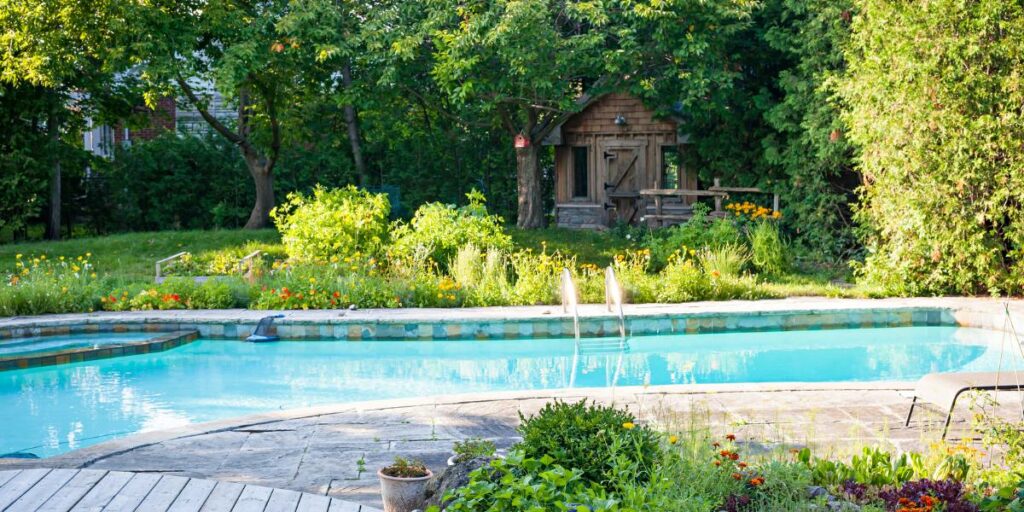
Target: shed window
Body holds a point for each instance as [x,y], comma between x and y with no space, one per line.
[671,167]
[580,172]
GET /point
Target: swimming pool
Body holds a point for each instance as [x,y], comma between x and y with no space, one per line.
[55,409]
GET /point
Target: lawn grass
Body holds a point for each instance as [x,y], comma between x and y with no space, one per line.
[592,247]
[131,256]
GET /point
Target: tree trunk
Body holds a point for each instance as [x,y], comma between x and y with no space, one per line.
[528,180]
[53,215]
[263,178]
[352,120]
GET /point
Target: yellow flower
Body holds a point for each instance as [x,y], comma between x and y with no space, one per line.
[312,279]
[43,257]
[75,268]
[88,255]
[628,425]
[673,439]
[93,275]
[17,256]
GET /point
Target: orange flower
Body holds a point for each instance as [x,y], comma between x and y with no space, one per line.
[717,463]
[737,476]
[716,444]
[734,456]
[724,453]
[927,500]
[741,465]
[756,482]
[730,437]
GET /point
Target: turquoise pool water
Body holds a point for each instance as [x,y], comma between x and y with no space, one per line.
[55,409]
[47,344]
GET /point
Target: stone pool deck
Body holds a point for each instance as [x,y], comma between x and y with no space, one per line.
[336,450]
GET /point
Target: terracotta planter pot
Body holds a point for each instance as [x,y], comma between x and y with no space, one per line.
[402,494]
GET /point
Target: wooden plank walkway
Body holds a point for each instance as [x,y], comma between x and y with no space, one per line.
[81,490]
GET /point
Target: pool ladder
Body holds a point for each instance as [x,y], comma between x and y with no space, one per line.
[596,346]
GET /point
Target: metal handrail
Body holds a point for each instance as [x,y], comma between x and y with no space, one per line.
[570,300]
[159,263]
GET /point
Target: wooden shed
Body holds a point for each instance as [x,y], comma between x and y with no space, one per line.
[606,154]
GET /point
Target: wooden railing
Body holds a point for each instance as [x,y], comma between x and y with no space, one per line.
[717,191]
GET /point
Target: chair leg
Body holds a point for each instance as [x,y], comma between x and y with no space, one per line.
[949,417]
[911,413]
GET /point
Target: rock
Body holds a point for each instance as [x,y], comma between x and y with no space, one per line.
[453,477]
[815,491]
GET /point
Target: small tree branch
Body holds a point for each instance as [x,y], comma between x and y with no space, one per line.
[209,118]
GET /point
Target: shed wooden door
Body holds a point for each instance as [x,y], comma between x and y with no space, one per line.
[623,167]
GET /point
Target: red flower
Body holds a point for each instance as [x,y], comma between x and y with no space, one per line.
[716,444]
[337,294]
[734,456]
[731,437]
[736,476]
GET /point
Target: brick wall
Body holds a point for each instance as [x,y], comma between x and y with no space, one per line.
[157,121]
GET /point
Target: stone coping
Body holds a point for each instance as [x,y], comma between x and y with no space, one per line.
[84,457]
[158,343]
[546,321]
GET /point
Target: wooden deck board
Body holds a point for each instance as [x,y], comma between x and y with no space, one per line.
[252,499]
[20,484]
[45,488]
[102,492]
[91,490]
[73,491]
[193,496]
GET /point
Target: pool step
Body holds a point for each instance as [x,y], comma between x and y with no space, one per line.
[602,346]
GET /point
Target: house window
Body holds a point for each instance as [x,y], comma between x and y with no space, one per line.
[580,172]
[671,167]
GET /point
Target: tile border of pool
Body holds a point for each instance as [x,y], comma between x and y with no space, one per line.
[165,341]
[537,321]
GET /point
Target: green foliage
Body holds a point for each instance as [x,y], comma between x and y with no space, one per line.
[807,144]
[176,293]
[442,229]
[933,91]
[584,437]
[333,224]
[404,468]
[472,448]
[519,483]
[483,275]
[723,261]
[151,185]
[40,285]
[768,251]
[700,232]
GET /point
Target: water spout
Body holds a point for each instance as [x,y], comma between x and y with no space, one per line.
[613,298]
[570,300]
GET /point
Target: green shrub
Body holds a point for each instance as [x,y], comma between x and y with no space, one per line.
[682,281]
[538,277]
[700,232]
[631,269]
[472,448]
[584,437]
[40,285]
[177,293]
[483,275]
[726,260]
[768,251]
[441,229]
[933,96]
[524,484]
[333,225]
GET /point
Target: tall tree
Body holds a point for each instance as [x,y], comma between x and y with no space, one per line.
[530,64]
[935,102]
[65,49]
[189,48]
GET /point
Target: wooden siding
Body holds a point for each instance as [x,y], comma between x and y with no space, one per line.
[595,128]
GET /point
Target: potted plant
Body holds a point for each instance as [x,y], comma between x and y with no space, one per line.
[470,449]
[402,485]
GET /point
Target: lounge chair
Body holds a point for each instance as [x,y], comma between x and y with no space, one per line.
[943,389]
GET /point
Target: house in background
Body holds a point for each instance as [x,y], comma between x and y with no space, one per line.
[607,154]
[169,115]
